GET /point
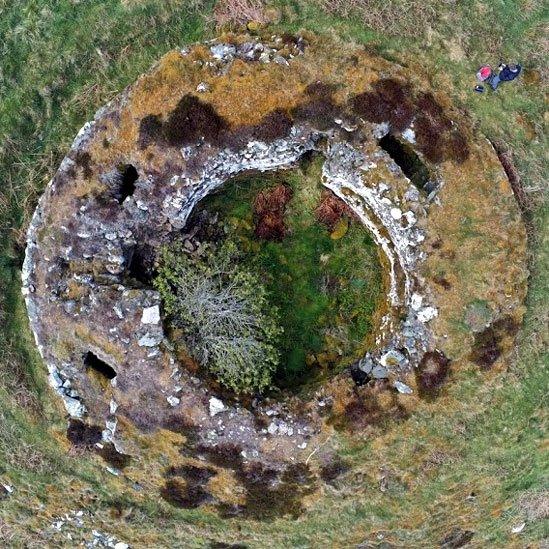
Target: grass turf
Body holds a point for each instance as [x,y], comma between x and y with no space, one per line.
[63,59]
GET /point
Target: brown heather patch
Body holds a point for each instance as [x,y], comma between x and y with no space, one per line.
[432,373]
[191,121]
[268,208]
[150,130]
[331,209]
[489,344]
[275,125]
[442,281]
[435,134]
[390,101]
[393,101]
[269,492]
[186,496]
[113,457]
[226,455]
[83,160]
[360,409]
[319,109]
[82,434]
[332,469]
[191,473]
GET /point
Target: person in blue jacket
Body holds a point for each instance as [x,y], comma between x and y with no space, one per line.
[506,74]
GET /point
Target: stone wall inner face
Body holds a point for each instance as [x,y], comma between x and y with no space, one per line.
[204,115]
[313,256]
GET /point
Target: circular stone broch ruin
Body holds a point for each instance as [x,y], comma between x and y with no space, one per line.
[434,196]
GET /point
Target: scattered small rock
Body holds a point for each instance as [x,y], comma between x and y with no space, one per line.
[402,388]
[172,400]
[216,406]
[149,340]
[518,528]
[151,315]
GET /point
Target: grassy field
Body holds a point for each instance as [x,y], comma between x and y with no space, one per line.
[474,461]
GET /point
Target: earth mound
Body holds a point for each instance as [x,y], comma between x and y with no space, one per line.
[396,156]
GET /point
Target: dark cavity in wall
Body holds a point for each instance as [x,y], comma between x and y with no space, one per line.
[128,177]
[409,162]
[141,264]
[93,362]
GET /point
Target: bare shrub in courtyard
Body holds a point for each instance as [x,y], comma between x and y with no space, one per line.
[222,309]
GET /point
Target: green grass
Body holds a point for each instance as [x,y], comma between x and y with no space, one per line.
[61,60]
[325,289]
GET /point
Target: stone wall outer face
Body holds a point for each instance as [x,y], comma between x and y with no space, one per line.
[79,244]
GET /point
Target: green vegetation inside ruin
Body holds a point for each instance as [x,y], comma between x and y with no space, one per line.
[481,466]
[324,279]
[219,309]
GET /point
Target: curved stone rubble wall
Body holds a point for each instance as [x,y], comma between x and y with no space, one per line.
[84,236]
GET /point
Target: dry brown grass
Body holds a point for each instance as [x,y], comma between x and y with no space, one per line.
[535,505]
[395,17]
[235,13]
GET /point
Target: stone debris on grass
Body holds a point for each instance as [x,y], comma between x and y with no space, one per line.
[402,388]
[518,528]
[77,520]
